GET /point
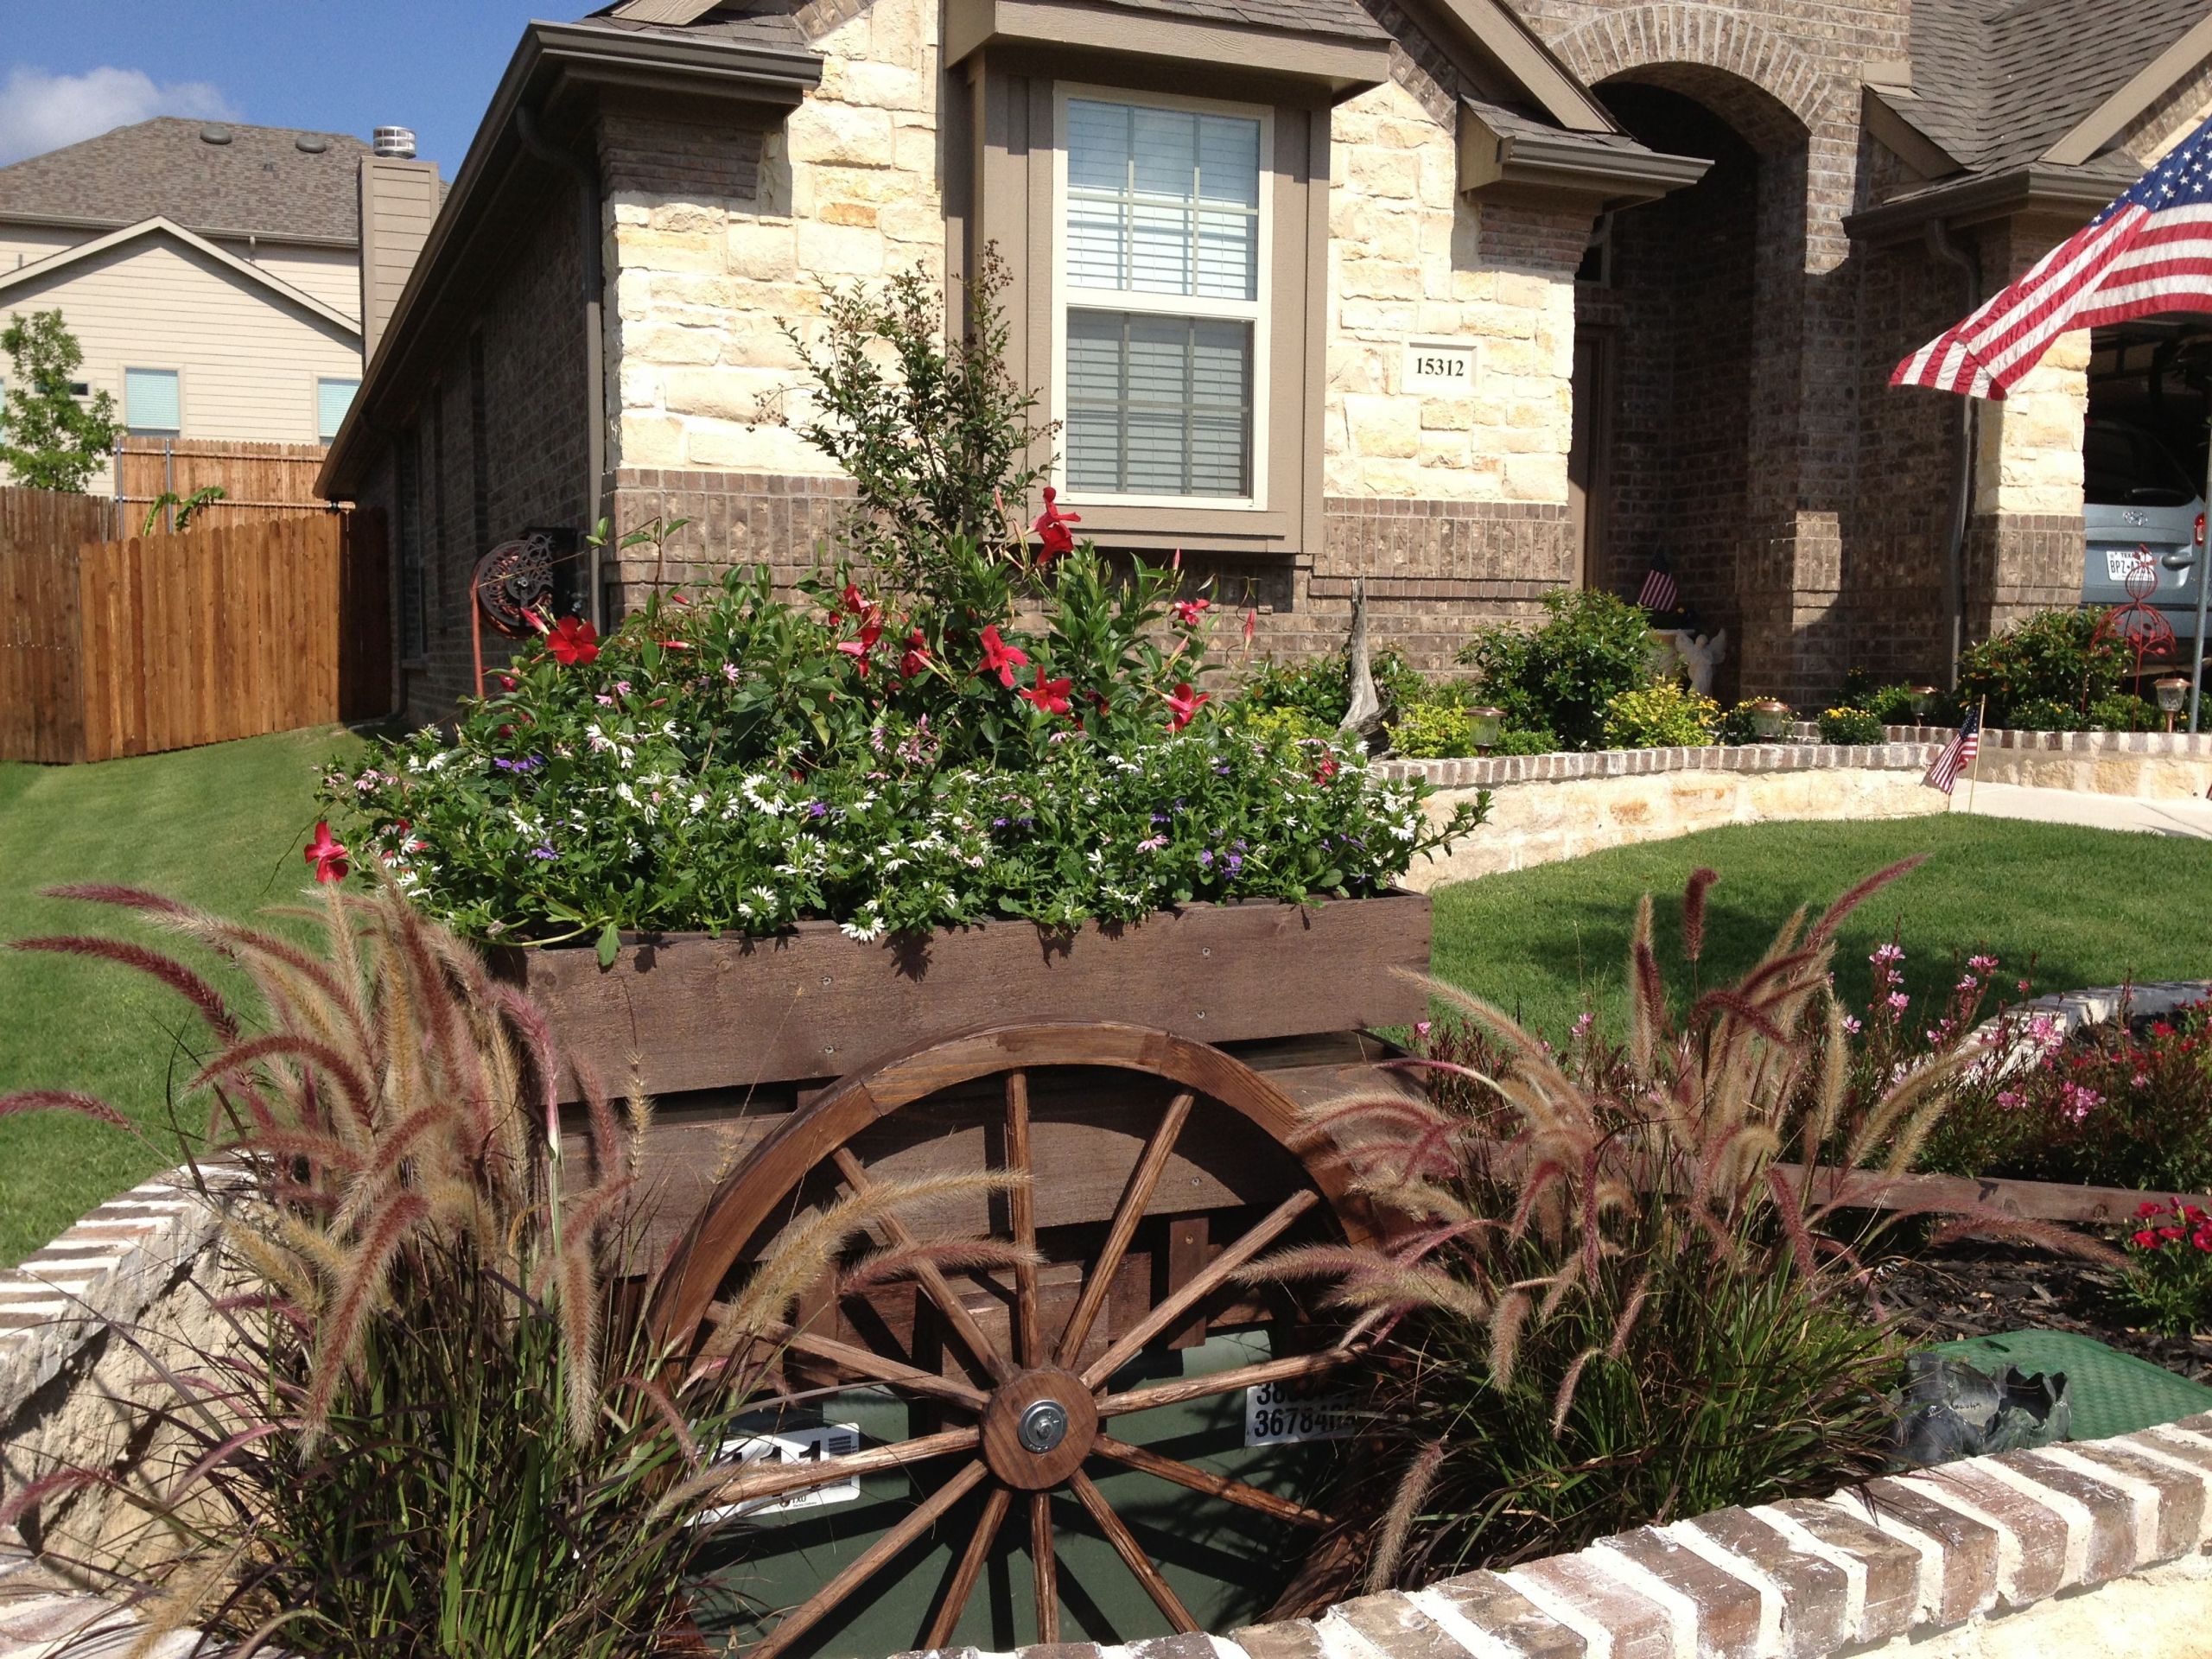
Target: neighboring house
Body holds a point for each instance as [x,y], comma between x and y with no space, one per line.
[213,272]
[1472,299]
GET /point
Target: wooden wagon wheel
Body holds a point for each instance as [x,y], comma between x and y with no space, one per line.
[1040,1406]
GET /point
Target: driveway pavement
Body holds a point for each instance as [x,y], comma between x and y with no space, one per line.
[2188,818]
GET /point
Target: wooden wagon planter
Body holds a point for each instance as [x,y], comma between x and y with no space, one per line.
[1152,1082]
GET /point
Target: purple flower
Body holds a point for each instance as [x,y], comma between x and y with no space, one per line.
[1235,863]
[1206,858]
[528,763]
[817,808]
[544,849]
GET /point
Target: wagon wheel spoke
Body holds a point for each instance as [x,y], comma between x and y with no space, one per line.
[1170,1311]
[1142,1179]
[1138,1563]
[1021,1211]
[1043,1566]
[933,1281]
[1243,1376]
[1201,1480]
[970,1568]
[785,1479]
[877,1367]
[802,1618]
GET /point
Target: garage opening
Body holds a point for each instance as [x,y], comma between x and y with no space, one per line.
[2143,466]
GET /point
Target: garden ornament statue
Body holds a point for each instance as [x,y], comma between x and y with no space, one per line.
[1364,712]
[1701,653]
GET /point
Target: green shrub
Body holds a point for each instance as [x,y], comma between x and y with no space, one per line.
[1294,723]
[2169,1279]
[1849,726]
[1561,677]
[1320,688]
[1527,742]
[2050,660]
[1434,731]
[1740,725]
[2123,712]
[1667,715]
[1892,706]
[2043,714]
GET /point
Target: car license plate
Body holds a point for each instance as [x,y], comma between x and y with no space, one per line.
[1284,1413]
[800,1445]
[2122,562]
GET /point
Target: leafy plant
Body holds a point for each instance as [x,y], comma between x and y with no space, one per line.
[2048,669]
[1319,688]
[49,440]
[1740,725]
[2169,1278]
[1614,1305]
[187,508]
[928,420]
[1527,742]
[1562,676]
[1665,715]
[440,1423]
[2123,712]
[1847,727]
[1433,731]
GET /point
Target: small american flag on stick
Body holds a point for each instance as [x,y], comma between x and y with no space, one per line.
[1957,754]
[1659,591]
[2150,252]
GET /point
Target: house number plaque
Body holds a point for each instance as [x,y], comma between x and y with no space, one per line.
[1440,367]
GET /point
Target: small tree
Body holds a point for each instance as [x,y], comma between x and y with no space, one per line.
[49,440]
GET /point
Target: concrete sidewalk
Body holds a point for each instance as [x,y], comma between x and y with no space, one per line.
[2178,816]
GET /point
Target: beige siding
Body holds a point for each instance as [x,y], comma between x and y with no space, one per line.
[248,360]
[331,275]
[24,245]
[398,200]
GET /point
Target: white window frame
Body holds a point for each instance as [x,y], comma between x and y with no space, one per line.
[130,427]
[1258,312]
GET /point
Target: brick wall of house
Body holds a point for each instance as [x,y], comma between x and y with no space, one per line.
[499,442]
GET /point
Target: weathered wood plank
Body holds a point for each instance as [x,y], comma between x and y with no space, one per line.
[2028,1200]
[703,1013]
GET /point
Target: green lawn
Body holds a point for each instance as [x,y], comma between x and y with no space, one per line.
[222,827]
[2088,906]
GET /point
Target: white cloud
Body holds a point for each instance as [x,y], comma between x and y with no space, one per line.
[41,112]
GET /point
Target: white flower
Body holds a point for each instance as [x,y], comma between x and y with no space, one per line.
[697,804]
[864,928]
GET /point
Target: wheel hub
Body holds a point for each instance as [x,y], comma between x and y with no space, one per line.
[1039,1427]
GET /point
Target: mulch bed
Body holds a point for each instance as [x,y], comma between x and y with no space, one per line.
[1972,1289]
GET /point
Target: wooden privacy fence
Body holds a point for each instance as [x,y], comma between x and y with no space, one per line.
[259,480]
[110,648]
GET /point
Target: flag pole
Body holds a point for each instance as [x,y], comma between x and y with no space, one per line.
[1973,766]
[2201,549]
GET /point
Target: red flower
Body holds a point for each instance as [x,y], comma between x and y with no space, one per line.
[859,646]
[1326,770]
[2170,1232]
[327,854]
[2201,1238]
[1182,704]
[917,657]
[2145,1240]
[574,642]
[1252,621]
[1053,536]
[1188,611]
[1000,658]
[853,602]
[2144,1210]
[1051,696]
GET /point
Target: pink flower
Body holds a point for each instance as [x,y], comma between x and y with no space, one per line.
[2076,1102]
[1188,611]
[1898,999]
[1885,953]
[1152,843]
[1420,1029]
[2010,1099]
[327,855]
[1850,1024]
[1001,659]
[730,672]
[1182,704]
[2140,1080]
[1982,964]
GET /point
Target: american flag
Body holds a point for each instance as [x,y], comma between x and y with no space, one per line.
[2150,252]
[1957,754]
[1659,591]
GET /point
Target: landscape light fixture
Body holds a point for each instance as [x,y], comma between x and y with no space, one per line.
[1770,718]
[2173,692]
[1921,698]
[1486,724]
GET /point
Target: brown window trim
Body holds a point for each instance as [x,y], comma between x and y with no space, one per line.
[1009,200]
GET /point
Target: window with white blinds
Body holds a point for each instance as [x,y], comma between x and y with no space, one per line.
[153,402]
[1164,237]
[331,399]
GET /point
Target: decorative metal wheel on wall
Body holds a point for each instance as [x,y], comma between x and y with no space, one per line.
[1156,1168]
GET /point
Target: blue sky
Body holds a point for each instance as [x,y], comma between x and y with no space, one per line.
[71,69]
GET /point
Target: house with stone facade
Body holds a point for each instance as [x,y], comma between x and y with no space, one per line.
[1473,299]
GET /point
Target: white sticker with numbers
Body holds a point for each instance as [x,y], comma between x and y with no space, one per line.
[1283,1414]
[798,1446]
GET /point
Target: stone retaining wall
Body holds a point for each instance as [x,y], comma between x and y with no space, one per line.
[1548,807]
[2142,766]
[2088,1549]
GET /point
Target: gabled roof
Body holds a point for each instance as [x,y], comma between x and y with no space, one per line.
[53,264]
[259,181]
[2000,84]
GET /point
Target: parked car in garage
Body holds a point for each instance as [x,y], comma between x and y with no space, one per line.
[2140,508]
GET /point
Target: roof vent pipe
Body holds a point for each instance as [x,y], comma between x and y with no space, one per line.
[394,144]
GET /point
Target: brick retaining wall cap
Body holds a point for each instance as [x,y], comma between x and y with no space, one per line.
[1489,771]
[1906,1555]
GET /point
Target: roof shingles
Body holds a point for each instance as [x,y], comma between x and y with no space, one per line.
[260,183]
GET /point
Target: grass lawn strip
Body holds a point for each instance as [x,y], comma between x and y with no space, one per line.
[219,827]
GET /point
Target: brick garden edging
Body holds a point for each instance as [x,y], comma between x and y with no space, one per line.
[1910,1555]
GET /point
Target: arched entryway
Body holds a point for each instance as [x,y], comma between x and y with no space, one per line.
[1689,320]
